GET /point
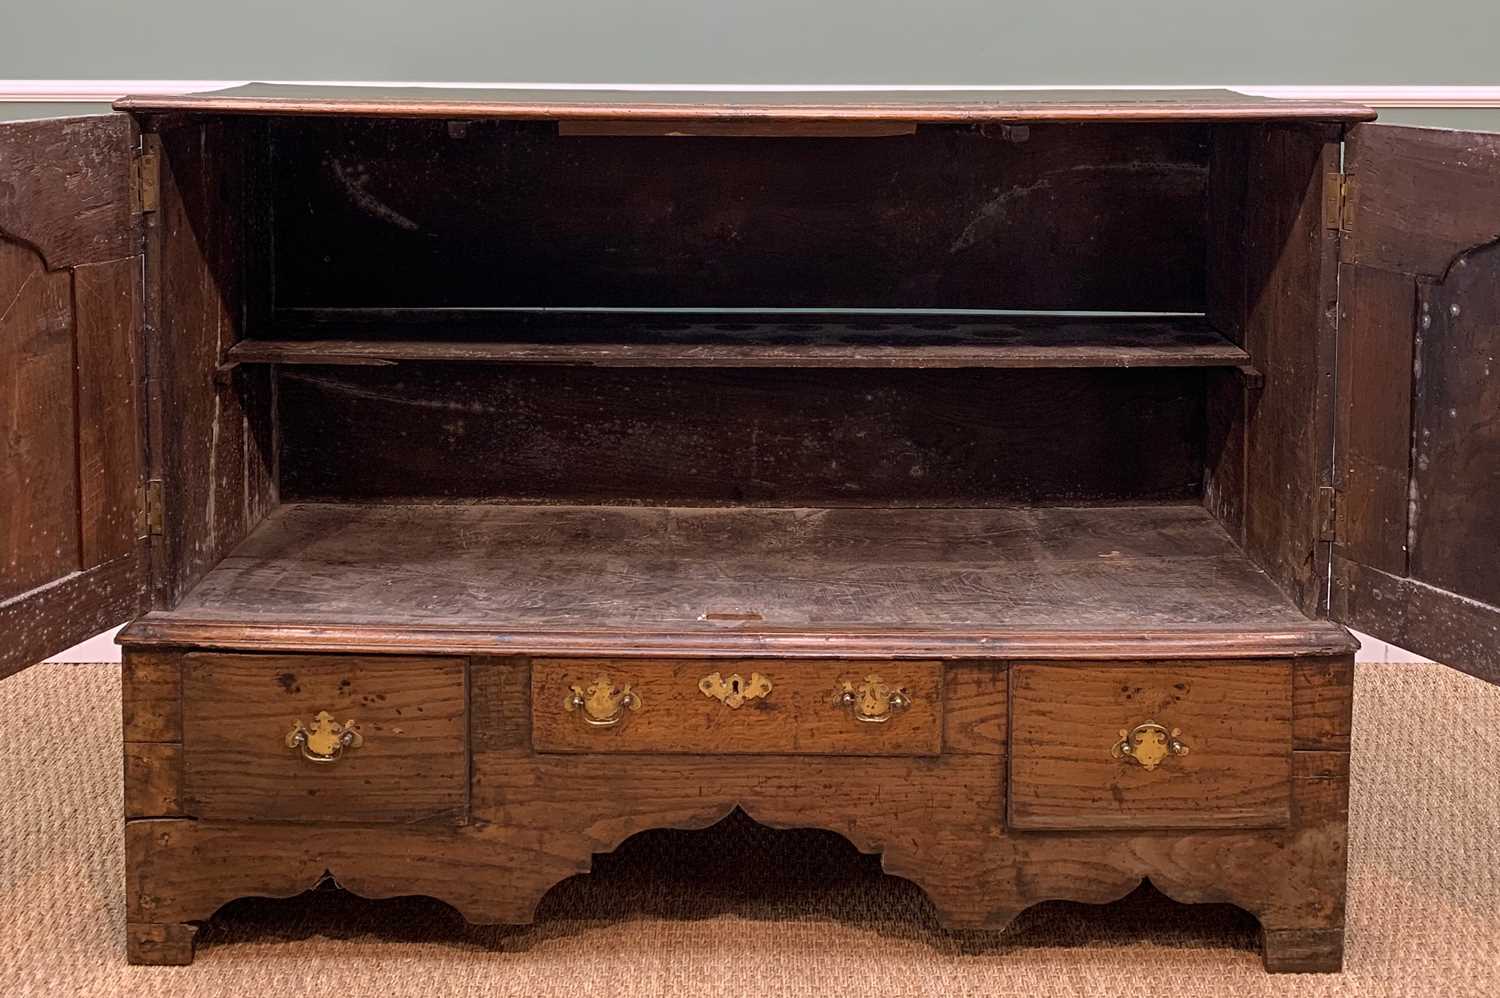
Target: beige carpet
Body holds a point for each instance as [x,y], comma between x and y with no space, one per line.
[741,910]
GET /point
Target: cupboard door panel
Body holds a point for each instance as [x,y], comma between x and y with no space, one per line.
[71,457]
[1419,400]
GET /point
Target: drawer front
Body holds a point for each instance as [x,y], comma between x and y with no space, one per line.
[733,707]
[1209,745]
[409,764]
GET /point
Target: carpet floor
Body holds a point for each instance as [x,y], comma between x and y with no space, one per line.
[743,910]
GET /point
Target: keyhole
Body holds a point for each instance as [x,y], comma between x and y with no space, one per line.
[734,685]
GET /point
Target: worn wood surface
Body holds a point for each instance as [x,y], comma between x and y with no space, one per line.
[159,945]
[39,535]
[1421,196]
[1445,626]
[1323,704]
[1235,718]
[214,451]
[71,460]
[539,818]
[108,304]
[1290,321]
[238,709]
[542,817]
[67,188]
[812,105]
[153,780]
[800,715]
[151,696]
[753,341]
[1415,565]
[381,213]
[1454,525]
[1378,313]
[891,583]
[741,437]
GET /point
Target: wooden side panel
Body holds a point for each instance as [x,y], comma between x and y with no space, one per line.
[216,441]
[38,457]
[71,456]
[1226,400]
[1235,719]
[1378,316]
[1455,496]
[1418,395]
[1421,196]
[408,213]
[757,437]
[1291,299]
[1323,704]
[412,767]
[800,714]
[151,716]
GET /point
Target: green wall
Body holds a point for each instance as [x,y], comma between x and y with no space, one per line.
[805,41]
[788,41]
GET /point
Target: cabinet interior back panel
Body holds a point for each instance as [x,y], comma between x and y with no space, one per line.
[430,213]
[755,436]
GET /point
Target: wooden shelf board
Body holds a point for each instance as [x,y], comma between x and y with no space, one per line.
[934,106]
[1068,582]
[726,342]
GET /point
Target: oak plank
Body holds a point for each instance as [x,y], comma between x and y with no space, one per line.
[946,105]
[800,715]
[1236,720]
[497,579]
[412,713]
[151,696]
[153,780]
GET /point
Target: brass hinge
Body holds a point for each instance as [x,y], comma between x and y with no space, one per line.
[149,509]
[1338,201]
[145,181]
[1330,514]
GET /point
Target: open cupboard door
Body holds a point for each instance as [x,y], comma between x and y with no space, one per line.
[73,560]
[1416,558]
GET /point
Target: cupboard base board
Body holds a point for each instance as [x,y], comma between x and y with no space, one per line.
[535,819]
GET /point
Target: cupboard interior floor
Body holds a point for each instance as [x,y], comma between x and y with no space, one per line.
[476,578]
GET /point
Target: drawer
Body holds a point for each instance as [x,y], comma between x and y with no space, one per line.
[410,763]
[1231,723]
[751,706]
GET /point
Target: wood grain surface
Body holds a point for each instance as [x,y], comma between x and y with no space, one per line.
[800,716]
[1421,446]
[71,454]
[1235,718]
[1101,581]
[748,436]
[380,336]
[410,213]
[412,712]
[945,105]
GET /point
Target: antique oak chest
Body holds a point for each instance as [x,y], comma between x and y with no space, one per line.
[494,475]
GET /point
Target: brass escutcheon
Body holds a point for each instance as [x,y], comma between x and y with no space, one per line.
[873,702]
[1148,744]
[734,691]
[602,704]
[326,740]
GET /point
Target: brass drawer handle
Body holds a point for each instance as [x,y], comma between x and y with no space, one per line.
[873,702]
[1149,744]
[603,704]
[734,691]
[326,741]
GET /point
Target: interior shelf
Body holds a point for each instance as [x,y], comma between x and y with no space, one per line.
[613,340]
[1103,582]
